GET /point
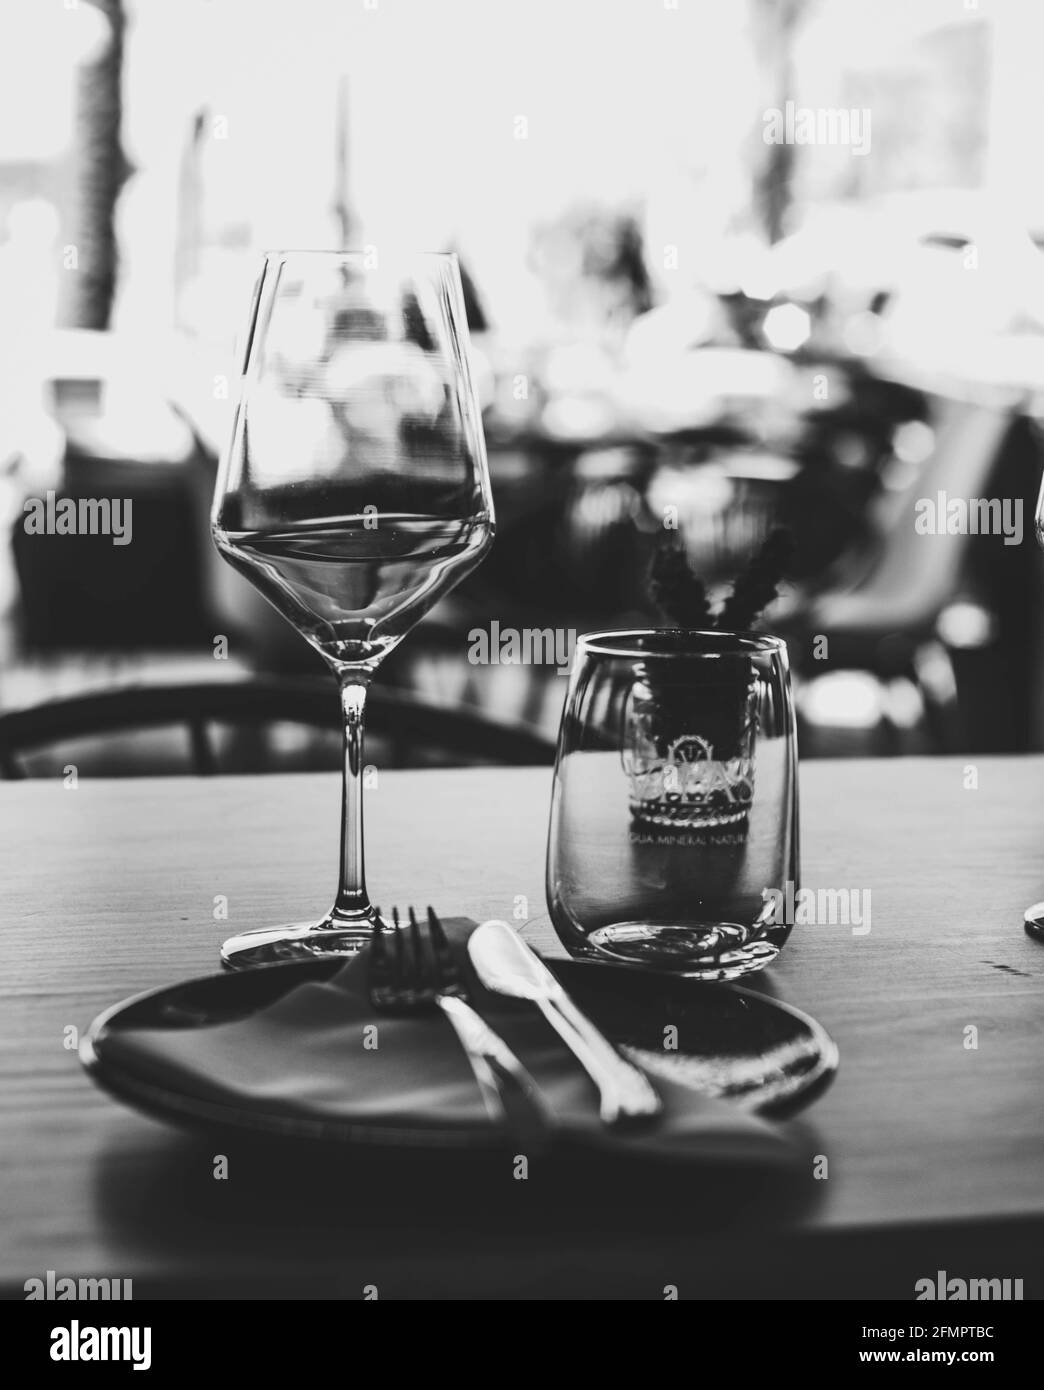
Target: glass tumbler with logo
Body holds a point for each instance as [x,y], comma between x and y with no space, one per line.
[674,818]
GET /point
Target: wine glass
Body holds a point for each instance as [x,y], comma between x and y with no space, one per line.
[354,493]
[1033,917]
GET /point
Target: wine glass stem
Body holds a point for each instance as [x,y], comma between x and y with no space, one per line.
[352,902]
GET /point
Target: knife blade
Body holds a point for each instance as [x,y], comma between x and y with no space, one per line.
[507,966]
[508,1092]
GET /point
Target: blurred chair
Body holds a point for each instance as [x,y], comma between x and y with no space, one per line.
[125,443]
[884,618]
[242,726]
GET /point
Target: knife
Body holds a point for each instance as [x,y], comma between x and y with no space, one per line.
[506,965]
[508,1092]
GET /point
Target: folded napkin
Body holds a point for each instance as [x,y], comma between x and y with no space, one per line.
[324,1055]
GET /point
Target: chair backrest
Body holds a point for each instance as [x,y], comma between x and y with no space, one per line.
[418,732]
[970,439]
[913,576]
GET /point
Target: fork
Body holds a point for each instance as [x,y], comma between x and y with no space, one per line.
[419,973]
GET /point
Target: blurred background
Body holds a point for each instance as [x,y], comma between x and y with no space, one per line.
[667,310]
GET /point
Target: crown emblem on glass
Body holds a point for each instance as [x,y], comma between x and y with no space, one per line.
[677,778]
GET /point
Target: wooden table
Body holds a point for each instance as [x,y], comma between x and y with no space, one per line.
[935,1150]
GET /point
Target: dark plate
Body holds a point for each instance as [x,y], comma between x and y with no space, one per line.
[739,1045]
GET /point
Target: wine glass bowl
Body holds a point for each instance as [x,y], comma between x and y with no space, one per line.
[354,492]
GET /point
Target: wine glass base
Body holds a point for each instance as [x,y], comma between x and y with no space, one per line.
[1033,920]
[302,941]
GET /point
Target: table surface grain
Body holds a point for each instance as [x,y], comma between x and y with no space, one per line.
[934,1149]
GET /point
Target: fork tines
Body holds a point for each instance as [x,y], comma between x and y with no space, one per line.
[417,968]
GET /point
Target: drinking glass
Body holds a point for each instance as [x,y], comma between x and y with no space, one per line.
[674,818]
[354,493]
[1033,917]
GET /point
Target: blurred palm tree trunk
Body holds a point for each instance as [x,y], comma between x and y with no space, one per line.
[342,207]
[775,24]
[99,172]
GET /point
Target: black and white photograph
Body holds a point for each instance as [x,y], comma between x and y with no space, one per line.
[521,674]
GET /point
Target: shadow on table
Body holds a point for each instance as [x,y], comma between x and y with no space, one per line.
[296,1221]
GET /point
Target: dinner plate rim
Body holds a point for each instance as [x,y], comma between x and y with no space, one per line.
[174,1107]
